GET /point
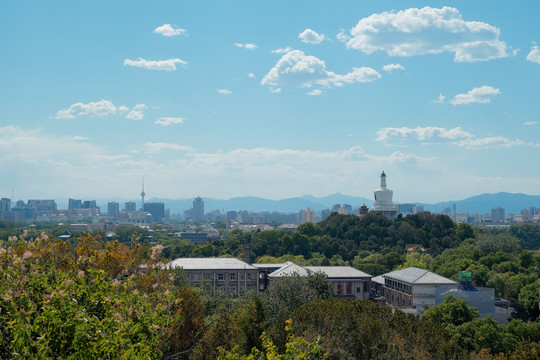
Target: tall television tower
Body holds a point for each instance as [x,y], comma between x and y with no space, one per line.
[142,195]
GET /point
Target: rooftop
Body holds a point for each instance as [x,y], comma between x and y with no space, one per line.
[211,264]
[333,272]
[417,276]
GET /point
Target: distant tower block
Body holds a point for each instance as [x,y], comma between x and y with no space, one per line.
[383,201]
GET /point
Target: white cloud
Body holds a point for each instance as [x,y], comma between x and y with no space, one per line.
[164,65]
[422,133]
[251,76]
[342,36]
[275,90]
[154,148]
[428,31]
[315,92]
[166,121]
[79,138]
[494,142]
[282,50]
[246,46]
[530,123]
[224,91]
[137,112]
[122,109]
[456,136]
[169,30]
[299,70]
[98,108]
[482,95]
[440,99]
[391,67]
[311,37]
[534,54]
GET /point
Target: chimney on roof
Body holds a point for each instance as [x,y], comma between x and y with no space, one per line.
[247,252]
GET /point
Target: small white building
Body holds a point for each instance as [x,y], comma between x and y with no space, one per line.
[413,287]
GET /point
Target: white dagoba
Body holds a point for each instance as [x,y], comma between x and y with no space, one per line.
[383,201]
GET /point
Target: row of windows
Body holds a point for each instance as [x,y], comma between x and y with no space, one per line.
[220,276]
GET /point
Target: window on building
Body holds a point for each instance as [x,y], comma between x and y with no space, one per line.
[220,277]
[248,276]
[366,286]
[339,288]
[208,276]
[232,276]
[196,277]
[348,288]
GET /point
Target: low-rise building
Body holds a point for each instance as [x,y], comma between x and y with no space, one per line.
[230,275]
[413,287]
[347,281]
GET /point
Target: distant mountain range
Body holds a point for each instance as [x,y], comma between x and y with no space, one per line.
[512,203]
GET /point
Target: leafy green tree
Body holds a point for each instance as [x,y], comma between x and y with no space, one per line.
[296,348]
[286,294]
[452,311]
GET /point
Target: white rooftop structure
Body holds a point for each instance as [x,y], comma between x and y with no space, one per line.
[383,200]
[415,276]
[211,264]
[338,272]
[288,269]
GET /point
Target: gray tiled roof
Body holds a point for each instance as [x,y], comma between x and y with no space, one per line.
[289,269]
[211,264]
[417,276]
[339,272]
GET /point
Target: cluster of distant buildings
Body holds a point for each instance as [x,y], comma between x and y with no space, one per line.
[156,212]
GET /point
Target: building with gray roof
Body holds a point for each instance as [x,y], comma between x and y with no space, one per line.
[347,281]
[413,287]
[230,275]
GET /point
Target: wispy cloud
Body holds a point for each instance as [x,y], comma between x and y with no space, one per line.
[251,76]
[169,30]
[440,99]
[534,54]
[166,121]
[154,148]
[164,65]
[315,92]
[97,108]
[311,37]
[456,136]
[101,108]
[427,31]
[246,46]
[482,95]
[224,91]
[391,67]
[422,133]
[282,50]
[530,123]
[137,112]
[299,70]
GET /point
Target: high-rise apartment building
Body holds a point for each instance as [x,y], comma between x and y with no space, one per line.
[198,209]
[130,206]
[113,208]
[497,214]
[74,204]
[156,209]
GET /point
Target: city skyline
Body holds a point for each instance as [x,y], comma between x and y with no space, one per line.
[273,100]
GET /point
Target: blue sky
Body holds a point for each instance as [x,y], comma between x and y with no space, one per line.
[269,98]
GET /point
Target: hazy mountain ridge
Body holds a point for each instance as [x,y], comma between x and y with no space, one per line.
[483,203]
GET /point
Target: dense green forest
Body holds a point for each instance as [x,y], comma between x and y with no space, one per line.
[92,299]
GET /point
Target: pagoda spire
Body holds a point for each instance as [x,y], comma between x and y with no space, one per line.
[383,180]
